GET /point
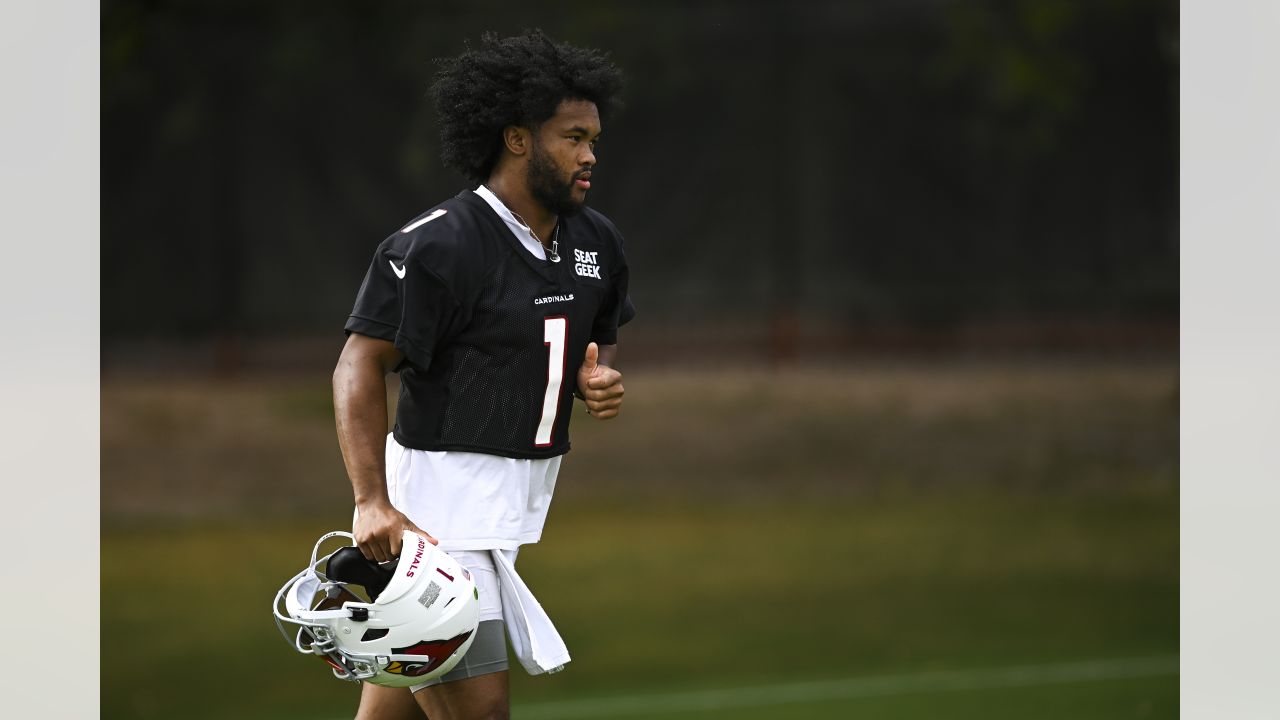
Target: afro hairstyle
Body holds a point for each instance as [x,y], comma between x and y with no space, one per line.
[518,80]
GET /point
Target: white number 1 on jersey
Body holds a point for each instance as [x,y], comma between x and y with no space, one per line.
[554,331]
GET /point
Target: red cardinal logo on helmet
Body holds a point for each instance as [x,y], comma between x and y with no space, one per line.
[434,653]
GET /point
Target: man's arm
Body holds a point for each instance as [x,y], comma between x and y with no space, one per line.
[599,384]
[360,413]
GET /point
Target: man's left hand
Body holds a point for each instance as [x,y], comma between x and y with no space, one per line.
[600,385]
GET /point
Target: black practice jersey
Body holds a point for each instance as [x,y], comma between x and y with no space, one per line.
[492,336]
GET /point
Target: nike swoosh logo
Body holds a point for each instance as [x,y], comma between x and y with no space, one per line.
[399,271]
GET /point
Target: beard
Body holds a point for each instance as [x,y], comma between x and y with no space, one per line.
[548,187]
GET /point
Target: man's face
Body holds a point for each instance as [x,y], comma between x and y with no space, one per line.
[563,155]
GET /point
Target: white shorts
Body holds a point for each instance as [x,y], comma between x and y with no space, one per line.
[480,563]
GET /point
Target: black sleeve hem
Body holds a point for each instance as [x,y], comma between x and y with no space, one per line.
[412,351]
[415,354]
[372,328]
[604,337]
[627,313]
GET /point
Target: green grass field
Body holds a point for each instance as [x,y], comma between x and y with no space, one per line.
[732,531]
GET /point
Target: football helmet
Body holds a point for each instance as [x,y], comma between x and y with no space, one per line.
[416,619]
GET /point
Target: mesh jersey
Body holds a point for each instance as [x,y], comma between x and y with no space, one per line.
[492,337]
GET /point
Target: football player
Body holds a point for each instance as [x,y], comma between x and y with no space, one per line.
[496,307]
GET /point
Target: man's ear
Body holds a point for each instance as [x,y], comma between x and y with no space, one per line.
[517,139]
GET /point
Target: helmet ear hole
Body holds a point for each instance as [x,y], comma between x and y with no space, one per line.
[374,634]
[332,601]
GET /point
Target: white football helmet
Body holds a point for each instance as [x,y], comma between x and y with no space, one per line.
[418,621]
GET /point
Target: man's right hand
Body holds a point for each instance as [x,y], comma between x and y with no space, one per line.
[379,531]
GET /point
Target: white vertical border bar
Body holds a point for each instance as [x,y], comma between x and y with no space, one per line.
[1230,410]
[49,284]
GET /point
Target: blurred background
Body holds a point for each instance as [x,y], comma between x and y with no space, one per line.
[902,390]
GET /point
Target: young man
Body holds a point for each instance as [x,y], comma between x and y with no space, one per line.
[496,307]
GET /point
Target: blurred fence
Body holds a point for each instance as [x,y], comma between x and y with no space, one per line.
[824,170]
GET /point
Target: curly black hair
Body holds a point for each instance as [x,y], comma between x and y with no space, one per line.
[518,80]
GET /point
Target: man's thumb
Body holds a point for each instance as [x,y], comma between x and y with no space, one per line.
[593,356]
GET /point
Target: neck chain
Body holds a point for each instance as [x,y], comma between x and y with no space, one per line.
[553,253]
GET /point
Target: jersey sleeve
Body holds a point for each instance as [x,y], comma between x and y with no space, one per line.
[618,309]
[406,303]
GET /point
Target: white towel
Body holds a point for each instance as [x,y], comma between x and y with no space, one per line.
[534,639]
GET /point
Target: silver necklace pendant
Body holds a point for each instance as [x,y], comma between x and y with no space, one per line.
[554,253]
